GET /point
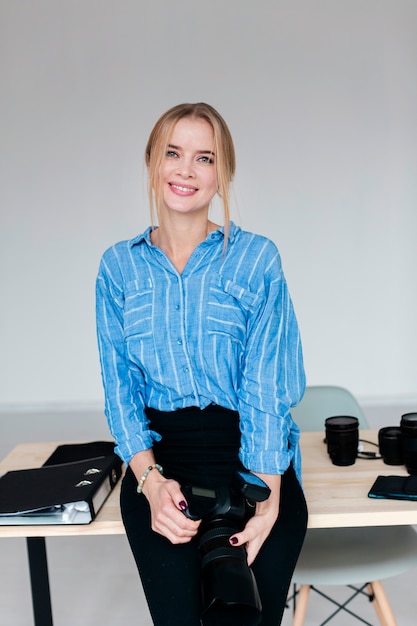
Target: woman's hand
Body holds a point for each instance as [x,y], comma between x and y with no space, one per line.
[260,525]
[167,504]
[166,501]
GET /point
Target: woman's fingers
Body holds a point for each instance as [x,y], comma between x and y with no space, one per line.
[167,505]
[253,535]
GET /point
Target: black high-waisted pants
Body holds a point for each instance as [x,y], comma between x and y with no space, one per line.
[200,447]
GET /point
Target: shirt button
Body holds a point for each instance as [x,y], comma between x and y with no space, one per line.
[177,307]
[185,369]
[179,342]
[193,396]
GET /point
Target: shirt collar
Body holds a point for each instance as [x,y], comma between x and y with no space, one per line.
[213,236]
[145,236]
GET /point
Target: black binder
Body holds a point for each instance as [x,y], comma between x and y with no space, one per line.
[69,488]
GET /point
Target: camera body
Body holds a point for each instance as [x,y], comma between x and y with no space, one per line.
[229,591]
[235,501]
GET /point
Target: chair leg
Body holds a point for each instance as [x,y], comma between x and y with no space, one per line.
[301,606]
[381,604]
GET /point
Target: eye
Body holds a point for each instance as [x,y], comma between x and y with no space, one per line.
[205,159]
[171,154]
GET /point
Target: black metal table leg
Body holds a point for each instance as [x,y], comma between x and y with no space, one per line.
[39,580]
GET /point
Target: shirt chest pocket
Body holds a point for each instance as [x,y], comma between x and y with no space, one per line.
[138,309]
[228,308]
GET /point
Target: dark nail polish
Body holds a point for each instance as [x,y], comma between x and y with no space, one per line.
[182,505]
[233,540]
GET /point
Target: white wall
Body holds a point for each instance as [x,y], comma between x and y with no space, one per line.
[321,97]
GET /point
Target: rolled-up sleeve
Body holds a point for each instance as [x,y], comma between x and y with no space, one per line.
[123,381]
[272,380]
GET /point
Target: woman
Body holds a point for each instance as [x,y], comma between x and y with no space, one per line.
[201,362]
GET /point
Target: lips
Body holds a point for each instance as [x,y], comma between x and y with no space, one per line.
[182,190]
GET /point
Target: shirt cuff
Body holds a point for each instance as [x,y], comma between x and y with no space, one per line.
[127,449]
[266,461]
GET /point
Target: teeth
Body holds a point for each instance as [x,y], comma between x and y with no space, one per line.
[183,188]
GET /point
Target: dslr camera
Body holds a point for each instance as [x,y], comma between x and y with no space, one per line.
[229,591]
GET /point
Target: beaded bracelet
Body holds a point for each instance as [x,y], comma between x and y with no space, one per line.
[145,475]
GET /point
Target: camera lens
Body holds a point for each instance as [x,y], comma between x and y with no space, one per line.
[409,439]
[390,445]
[229,590]
[342,436]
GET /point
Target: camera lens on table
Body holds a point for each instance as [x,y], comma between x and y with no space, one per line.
[409,441]
[391,445]
[342,436]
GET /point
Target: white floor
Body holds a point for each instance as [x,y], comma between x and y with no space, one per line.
[93,579]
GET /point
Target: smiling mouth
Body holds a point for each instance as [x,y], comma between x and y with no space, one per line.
[182,189]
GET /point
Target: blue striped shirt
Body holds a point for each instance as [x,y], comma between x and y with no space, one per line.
[223,332]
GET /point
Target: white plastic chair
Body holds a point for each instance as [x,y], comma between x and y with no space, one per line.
[347,556]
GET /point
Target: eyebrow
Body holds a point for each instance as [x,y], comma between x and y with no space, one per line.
[171,145]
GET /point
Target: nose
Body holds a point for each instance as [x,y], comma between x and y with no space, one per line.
[186,168]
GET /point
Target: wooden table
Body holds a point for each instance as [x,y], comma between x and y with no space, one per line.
[336,497]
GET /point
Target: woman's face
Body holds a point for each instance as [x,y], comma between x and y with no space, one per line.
[189,172]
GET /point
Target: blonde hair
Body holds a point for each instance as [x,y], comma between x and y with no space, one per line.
[156,148]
